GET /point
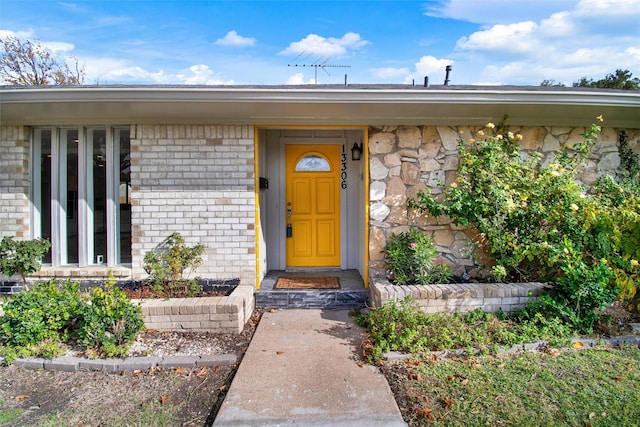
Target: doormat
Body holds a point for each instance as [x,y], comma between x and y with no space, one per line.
[307,283]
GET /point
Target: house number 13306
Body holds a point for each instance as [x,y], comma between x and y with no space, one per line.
[343,168]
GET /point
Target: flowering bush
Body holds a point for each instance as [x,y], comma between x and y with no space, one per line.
[409,259]
[540,224]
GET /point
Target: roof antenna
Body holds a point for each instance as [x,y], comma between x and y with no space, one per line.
[426,81]
[446,78]
[321,63]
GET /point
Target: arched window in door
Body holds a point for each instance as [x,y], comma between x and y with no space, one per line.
[313,163]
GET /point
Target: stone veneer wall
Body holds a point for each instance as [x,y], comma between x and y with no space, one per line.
[197,180]
[14,181]
[405,160]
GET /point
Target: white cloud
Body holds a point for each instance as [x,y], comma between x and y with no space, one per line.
[584,40]
[608,7]
[497,11]
[133,74]
[298,79]
[234,39]
[557,25]
[314,44]
[201,75]
[58,47]
[505,38]
[110,71]
[429,66]
[19,34]
[390,72]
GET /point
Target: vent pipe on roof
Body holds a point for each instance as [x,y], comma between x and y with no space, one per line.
[446,78]
[426,81]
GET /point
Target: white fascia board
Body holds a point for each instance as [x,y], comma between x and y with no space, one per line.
[311,105]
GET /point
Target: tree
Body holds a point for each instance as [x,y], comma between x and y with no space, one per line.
[620,79]
[552,83]
[25,63]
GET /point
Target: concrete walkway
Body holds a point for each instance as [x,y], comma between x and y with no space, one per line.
[303,368]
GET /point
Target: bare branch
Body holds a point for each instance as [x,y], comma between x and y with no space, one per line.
[25,63]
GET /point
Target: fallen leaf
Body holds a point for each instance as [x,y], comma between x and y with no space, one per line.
[217,369]
[554,352]
[502,365]
[279,353]
[618,378]
[223,388]
[424,412]
[203,372]
[22,397]
[465,381]
[181,371]
[577,344]
[136,373]
[592,415]
[164,399]
[447,403]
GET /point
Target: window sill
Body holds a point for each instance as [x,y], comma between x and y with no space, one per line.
[93,272]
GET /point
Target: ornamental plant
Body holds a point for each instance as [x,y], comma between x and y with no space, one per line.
[171,263]
[41,321]
[22,257]
[541,224]
[409,259]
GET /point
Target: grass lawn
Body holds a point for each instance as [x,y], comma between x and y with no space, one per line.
[574,387]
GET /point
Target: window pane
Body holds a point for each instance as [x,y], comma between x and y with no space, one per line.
[313,163]
[124,216]
[99,156]
[45,189]
[72,195]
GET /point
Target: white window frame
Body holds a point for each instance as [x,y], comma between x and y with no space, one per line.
[86,256]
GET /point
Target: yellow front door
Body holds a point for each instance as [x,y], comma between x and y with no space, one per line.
[313,205]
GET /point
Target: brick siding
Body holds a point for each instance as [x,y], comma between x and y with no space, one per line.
[14,181]
[198,181]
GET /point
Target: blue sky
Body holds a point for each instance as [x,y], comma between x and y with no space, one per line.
[497,42]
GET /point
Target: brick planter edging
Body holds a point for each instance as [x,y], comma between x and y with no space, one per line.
[459,297]
[205,314]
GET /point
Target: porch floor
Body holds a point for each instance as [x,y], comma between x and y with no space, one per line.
[352,293]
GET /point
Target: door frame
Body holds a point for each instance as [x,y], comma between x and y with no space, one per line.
[270,157]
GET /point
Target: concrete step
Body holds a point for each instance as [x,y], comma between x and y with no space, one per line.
[312,298]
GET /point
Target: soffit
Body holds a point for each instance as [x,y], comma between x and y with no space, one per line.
[296,105]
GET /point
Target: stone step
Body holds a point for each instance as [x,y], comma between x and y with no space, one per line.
[311,298]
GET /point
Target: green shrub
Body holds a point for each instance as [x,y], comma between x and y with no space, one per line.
[45,312]
[40,321]
[22,257]
[169,263]
[402,326]
[109,321]
[540,224]
[409,259]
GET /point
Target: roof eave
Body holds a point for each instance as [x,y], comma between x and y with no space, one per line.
[311,105]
